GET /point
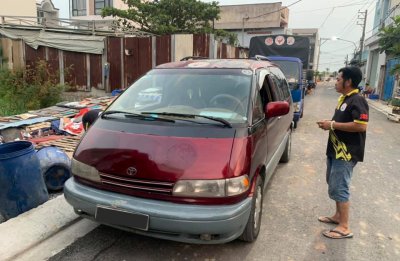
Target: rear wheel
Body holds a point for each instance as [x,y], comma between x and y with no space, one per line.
[253,225]
[286,154]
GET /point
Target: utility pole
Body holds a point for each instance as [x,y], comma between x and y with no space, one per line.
[246,18]
[363,23]
[347,60]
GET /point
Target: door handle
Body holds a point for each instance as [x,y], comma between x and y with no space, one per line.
[279,117]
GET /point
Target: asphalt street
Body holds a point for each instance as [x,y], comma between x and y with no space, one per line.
[295,197]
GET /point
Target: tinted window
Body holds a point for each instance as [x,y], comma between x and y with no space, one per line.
[291,72]
[258,110]
[281,83]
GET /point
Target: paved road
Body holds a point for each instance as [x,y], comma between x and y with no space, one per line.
[296,195]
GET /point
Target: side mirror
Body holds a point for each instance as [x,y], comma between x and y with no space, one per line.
[279,108]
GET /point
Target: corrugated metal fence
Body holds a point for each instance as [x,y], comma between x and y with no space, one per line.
[124,59]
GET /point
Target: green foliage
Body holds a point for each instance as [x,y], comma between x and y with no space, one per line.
[231,38]
[29,89]
[389,41]
[170,17]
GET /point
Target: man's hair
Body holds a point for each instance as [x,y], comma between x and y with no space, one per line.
[352,73]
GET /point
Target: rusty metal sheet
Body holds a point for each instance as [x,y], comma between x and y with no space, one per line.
[53,61]
[145,55]
[219,50]
[32,56]
[114,59]
[224,50]
[96,71]
[75,69]
[131,60]
[163,49]
[201,45]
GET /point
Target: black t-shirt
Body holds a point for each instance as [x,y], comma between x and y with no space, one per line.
[349,146]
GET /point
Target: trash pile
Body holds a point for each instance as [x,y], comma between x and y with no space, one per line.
[36,150]
[50,124]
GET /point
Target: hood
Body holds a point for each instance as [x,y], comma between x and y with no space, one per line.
[155,157]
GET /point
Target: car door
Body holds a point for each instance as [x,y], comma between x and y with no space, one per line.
[258,128]
[283,94]
[274,124]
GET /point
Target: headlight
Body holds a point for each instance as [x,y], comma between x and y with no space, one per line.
[211,188]
[296,106]
[85,171]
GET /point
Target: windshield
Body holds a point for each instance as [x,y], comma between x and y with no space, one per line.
[218,93]
[291,72]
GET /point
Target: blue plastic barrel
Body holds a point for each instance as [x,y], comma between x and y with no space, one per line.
[21,183]
[55,167]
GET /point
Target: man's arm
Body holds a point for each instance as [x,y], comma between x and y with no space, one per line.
[343,126]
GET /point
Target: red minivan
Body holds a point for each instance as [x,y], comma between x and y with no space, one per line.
[186,152]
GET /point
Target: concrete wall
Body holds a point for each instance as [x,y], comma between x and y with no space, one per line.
[13,54]
[232,16]
[182,46]
[18,8]
[120,5]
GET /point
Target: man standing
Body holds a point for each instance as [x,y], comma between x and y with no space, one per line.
[347,133]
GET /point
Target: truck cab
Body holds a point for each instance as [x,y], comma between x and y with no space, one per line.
[292,69]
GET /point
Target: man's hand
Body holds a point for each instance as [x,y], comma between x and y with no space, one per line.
[324,124]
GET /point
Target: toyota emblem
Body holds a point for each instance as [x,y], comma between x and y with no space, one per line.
[131,171]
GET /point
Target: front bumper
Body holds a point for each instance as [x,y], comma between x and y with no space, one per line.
[187,223]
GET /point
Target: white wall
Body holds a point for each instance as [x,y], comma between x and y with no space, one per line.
[18,7]
[182,46]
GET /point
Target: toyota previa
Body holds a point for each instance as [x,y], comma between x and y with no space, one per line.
[186,152]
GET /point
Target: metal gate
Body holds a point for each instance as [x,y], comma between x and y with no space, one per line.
[389,78]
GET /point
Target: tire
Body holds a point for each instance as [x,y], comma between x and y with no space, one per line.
[288,149]
[253,225]
[302,111]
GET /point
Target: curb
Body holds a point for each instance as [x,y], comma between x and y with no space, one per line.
[27,230]
[376,107]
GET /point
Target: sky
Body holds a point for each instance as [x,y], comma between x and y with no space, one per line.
[333,18]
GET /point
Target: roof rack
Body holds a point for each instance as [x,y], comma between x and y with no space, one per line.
[187,58]
[261,58]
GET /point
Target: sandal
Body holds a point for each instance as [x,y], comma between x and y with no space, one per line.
[327,220]
[340,234]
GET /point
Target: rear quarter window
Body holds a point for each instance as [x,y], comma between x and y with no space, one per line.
[281,83]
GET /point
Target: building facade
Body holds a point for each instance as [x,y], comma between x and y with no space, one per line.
[377,73]
[47,12]
[18,8]
[253,20]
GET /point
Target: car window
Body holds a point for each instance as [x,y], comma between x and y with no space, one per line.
[277,87]
[258,110]
[291,71]
[281,83]
[222,93]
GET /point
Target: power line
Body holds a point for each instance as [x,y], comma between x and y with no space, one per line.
[338,6]
[275,10]
[347,26]
[327,17]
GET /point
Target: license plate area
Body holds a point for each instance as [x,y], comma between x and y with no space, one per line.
[123,218]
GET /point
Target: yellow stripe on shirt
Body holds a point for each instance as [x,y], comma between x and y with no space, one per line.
[360,122]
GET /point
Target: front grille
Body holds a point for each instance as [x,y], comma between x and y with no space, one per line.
[160,187]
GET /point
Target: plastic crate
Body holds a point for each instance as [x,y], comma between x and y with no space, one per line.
[373,96]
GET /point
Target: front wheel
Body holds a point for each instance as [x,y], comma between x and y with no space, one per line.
[253,225]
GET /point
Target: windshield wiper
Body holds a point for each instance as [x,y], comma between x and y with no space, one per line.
[217,119]
[136,115]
